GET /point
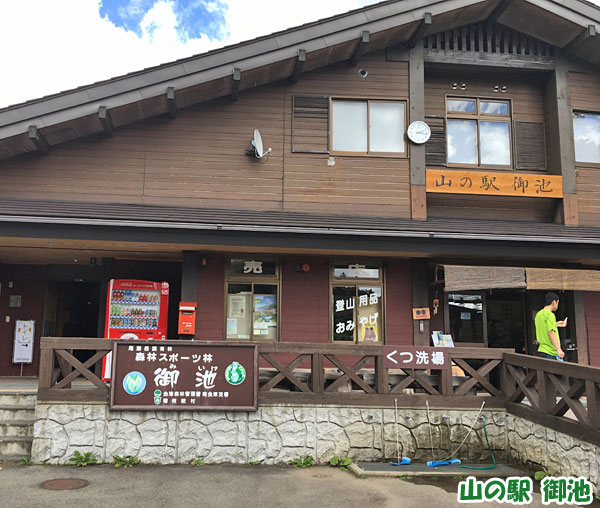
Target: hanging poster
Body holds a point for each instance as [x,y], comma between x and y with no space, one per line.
[232,326]
[237,306]
[23,343]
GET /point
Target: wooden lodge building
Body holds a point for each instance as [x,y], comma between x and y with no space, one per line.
[352,220]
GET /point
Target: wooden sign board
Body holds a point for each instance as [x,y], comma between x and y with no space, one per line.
[491,183]
[414,357]
[184,376]
[421,313]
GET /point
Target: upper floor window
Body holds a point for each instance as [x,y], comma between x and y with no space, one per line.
[586,131]
[368,126]
[478,132]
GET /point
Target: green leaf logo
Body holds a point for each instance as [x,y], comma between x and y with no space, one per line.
[134,383]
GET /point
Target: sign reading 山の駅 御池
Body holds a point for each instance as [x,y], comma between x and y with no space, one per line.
[183,375]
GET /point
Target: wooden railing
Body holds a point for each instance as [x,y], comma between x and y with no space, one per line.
[561,396]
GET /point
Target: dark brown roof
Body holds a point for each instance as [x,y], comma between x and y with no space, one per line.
[96,214]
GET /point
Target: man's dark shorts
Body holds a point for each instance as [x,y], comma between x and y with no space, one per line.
[546,355]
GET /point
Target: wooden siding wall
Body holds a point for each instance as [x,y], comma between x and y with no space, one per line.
[305,300]
[29,282]
[197,159]
[528,105]
[592,318]
[398,303]
[585,95]
[210,314]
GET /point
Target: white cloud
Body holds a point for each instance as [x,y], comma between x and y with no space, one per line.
[51,46]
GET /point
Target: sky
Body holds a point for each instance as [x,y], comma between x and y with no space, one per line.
[48,46]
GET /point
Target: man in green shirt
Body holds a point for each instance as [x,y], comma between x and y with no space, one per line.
[546,329]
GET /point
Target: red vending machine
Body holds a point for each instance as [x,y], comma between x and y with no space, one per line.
[135,309]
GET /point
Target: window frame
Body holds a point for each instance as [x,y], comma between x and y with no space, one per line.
[252,279]
[583,164]
[368,153]
[356,282]
[478,117]
[484,343]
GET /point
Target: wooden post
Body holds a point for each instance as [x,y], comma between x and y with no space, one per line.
[420,292]
[317,374]
[189,280]
[416,70]
[46,367]
[382,383]
[581,335]
[561,147]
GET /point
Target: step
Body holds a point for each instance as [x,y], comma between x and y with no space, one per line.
[16,446]
[9,413]
[16,428]
[17,398]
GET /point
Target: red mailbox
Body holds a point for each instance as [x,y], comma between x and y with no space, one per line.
[187,318]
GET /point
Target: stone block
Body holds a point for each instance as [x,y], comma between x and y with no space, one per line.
[80,432]
[257,450]
[366,454]
[292,433]
[344,416]
[324,450]
[191,449]
[225,454]
[153,433]
[136,417]
[41,450]
[223,432]
[360,435]
[49,429]
[322,414]
[209,418]
[95,412]
[305,414]
[157,454]
[371,416]
[276,415]
[65,413]
[335,433]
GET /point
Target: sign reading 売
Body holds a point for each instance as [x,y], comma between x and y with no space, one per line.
[415,357]
[183,375]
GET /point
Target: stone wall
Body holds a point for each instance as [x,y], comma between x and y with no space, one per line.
[558,453]
[273,434]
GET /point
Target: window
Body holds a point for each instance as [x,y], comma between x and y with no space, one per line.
[478,132]
[465,317]
[586,130]
[252,300]
[357,303]
[368,126]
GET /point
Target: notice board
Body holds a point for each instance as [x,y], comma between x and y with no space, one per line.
[184,376]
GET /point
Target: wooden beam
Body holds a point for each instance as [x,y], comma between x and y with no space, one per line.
[586,34]
[171,102]
[235,85]
[560,143]
[300,59]
[512,61]
[581,335]
[104,117]
[423,25]
[416,74]
[500,9]
[38,140]
[360,47]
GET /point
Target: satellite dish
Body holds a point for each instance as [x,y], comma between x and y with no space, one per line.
[256,146]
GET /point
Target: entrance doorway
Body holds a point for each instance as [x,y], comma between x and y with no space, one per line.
[506,320]
[72,308]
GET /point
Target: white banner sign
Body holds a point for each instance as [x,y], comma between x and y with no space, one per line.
[23,346]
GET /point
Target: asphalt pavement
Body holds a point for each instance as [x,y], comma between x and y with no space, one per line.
[220,486]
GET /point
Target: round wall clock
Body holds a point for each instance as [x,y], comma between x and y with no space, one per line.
[418,132]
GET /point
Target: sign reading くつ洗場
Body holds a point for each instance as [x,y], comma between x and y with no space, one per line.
[184,376]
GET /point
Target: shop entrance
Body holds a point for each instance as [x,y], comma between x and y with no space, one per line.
[72,308]
[506,320]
